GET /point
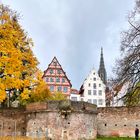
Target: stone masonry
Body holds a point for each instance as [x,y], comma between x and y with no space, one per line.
[63,120]
[56,120]
[12,122]
[67,120]
[118,121]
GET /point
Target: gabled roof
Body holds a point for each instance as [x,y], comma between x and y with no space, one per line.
[54,60]
[74,91]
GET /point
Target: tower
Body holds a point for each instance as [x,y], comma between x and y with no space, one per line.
[102,70]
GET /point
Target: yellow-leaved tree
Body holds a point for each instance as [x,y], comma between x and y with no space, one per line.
[58,96]
[18,65]
[38,93]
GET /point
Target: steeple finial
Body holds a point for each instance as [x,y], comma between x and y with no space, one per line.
[102,70]
[101,50]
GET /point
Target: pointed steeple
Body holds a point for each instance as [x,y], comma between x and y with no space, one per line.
[102,70]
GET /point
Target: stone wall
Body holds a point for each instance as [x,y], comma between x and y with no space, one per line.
[69,121]
[12,122]
[63,121]
[118,121]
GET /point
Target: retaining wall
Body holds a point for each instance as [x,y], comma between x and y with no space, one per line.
[118,121]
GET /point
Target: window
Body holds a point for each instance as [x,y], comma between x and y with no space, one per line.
[57,80]
[95,101]
[65,89]
[51,80]
[59,71]
[100,101]
[94,85]
[99,85]
[51,88]
[51,71]
[89,101]
[94,79]
[63,80]
[89,84]
[100,92]
[59,88]
[82,99]
[89,92]
[74,98]
[54,63]
[47,79]
[94,92]
[93,73]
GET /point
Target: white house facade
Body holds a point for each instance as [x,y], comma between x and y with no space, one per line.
[75,96]
[93,90]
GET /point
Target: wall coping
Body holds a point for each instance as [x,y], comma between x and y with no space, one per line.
[66,105]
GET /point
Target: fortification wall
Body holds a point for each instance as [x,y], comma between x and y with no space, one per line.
[69,121]
[12,122]
[62,120]
[118,121]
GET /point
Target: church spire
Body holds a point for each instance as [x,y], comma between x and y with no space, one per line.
[102,70]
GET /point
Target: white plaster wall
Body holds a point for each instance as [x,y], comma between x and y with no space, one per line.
[88,85]
[76,96]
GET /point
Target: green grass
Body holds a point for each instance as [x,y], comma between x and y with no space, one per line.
[19,138]
[114,138]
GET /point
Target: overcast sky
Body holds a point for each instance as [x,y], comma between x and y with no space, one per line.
[74,31]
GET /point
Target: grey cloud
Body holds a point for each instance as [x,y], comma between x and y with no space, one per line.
[74,31]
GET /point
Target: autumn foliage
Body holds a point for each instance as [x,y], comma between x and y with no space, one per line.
[58,96]
[41,91]
[18,65]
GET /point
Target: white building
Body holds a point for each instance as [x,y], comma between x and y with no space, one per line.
[93,90]
[75,96]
